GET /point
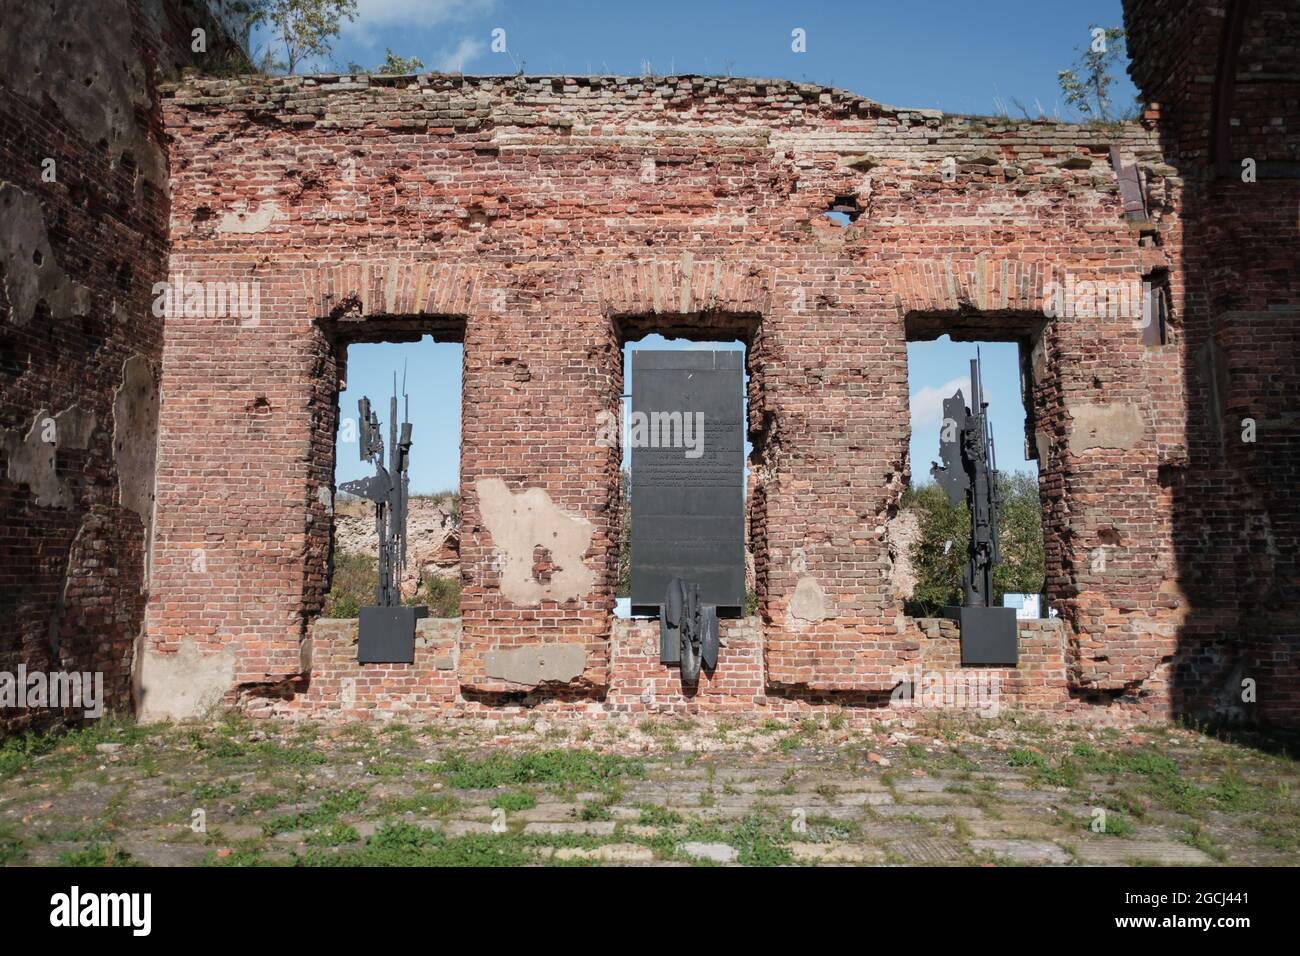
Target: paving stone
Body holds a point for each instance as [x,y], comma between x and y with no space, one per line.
[835,853]
[149,851]
[1032,796]
[928,811]
[715,852]
[856,784]
[888,830]
[929,850]
[641,830]
[608,853]
[1022,851]
[460,828]
[1019,827]
[544,812]
[587,828]
[921,784]
[239,831]
[1118,851]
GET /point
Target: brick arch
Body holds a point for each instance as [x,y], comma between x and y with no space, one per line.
[396,287]
[684,286]
[984,283]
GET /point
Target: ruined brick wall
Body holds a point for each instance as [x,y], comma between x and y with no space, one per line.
[1223,81]
[641,686]
[544,221]
[83,207]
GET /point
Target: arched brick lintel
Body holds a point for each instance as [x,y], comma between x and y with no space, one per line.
[683,286]
[395,287]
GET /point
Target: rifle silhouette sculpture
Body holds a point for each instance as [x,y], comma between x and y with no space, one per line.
[969,473]
[387,630]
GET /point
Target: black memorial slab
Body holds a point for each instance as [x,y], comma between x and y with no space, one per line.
[688,495]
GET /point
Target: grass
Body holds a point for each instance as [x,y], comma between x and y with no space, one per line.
[578,768]
[336,835]
[434,805]
[11,844]
[1146,781]
[1020,757]
[759,839]
[97,854]
[653,815]
[405,844]
[216,790]
[514,801]
[323,814]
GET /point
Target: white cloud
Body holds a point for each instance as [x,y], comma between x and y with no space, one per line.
[927,404]
[376,14]
[453,60]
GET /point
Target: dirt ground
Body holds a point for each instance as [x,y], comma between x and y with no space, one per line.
[934,790]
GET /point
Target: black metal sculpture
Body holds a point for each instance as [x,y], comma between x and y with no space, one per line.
[387,630]
[688,630]
[969,472]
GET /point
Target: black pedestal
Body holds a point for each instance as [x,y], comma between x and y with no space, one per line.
[988,635]
[388,634]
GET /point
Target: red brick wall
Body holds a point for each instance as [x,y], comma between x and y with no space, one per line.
[87,238]
[641,686]
[526,214]
[1232,246]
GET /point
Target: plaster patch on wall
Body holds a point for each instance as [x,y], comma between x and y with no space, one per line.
[1114,425]
[183,684]
[135,422]
[809,601]
[1043,443]
[902,535]
[31,272]
[521,522]
[32,458]
[537,664]
[243,221]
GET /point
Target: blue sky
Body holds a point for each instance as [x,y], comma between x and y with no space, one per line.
[960,57]
[935,370]
[954,55]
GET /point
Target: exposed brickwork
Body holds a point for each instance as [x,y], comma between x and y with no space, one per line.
[549,222]
[83,242]
[1232,246]
[546,221]
[640,685]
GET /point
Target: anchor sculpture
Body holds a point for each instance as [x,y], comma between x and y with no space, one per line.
[969,472]
[387,630]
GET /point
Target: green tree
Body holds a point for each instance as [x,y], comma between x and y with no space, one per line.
[305,29]
[1020,532]
[939,557]
[1086,86]
[940,553]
